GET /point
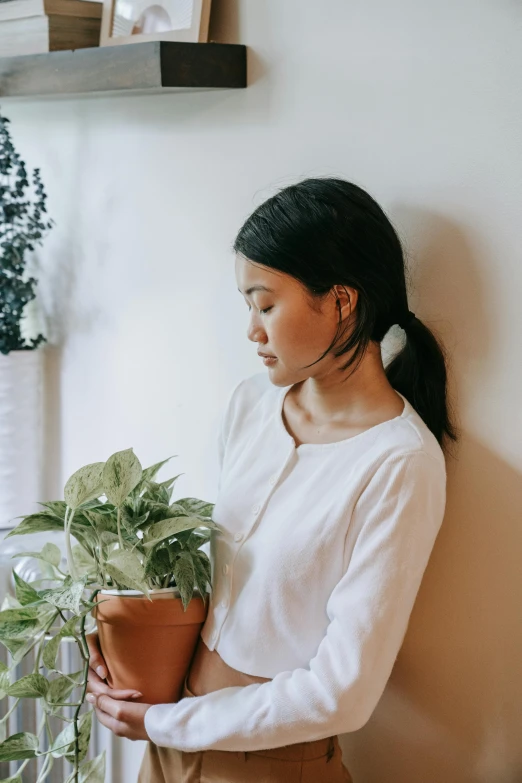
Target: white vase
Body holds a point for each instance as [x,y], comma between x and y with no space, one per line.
[21,435]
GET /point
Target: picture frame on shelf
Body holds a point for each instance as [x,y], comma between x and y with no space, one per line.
[135,21]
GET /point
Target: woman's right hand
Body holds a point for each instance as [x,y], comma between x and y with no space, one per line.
[98,673]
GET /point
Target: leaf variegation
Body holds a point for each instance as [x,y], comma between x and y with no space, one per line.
[92,771]
[197,507]
[51,648]
[4,684]
[149,474]
[170,527]
[126,568]
[39,522]
[84,485]
[68,596]
[121,474]
[19,746]
[62,686]
[85,564]
[32,686]
[50,554]
[63,745]
[24,592]
[185,577]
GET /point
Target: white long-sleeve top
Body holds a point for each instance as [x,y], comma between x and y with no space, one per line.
[315,572]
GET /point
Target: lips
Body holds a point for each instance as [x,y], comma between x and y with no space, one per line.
[265,355]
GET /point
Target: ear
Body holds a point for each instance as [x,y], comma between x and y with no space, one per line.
[345,300]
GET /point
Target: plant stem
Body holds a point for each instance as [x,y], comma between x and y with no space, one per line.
[41,645]
[84,691]
[24,765]
[45,769]
[15,705]
[120,537]
[70,558]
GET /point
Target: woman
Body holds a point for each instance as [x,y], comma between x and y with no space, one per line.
[331,495]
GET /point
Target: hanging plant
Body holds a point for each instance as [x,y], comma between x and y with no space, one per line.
[23,224]
[130,536]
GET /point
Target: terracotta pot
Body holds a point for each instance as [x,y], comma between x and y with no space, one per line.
[148,645]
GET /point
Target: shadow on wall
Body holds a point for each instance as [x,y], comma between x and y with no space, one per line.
[451,709]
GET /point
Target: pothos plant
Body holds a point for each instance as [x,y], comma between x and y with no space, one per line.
[129,536]
[23,224]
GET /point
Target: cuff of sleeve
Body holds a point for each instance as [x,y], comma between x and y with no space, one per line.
[153,720]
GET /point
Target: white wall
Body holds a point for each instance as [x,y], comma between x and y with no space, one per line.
[420,103]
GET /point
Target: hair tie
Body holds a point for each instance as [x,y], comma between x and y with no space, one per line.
[406,320]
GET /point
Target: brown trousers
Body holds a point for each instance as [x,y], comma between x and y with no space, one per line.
[305,762]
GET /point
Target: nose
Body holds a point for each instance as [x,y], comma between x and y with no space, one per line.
[255,331]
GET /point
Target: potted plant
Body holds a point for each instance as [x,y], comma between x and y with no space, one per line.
[23,224]
[138,569]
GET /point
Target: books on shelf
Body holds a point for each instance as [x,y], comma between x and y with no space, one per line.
[37,26]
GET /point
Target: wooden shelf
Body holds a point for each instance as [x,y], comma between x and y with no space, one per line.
[152,66]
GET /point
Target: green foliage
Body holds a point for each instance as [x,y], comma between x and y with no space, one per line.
[23,224]
[130,535]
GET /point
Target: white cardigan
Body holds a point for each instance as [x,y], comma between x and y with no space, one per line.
[315,574]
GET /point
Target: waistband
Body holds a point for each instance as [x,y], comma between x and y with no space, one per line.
[299,751]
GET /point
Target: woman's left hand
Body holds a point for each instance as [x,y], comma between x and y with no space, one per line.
[123,718]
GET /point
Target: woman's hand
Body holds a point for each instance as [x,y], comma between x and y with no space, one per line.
[114,708]
[121,717]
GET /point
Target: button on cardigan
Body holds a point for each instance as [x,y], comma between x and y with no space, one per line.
[315,571]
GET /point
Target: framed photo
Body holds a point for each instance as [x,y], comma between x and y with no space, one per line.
[133,21]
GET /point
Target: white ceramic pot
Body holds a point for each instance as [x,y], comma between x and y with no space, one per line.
[21,435]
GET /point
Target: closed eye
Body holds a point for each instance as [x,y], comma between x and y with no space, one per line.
[263,311]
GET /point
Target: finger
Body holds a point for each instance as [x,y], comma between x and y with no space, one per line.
[123,711]
[96,661]
[97,686]
[108,721]
[104,690]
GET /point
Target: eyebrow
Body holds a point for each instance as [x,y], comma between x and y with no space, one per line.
[256,288]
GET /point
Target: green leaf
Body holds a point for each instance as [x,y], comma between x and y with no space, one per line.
[14,779]
[39,522]
[149,474]
[10,602]
[126,569]
[32,686]
[68,596]
[63,745]
[61,687]
[197,539]
[57,507]
[158,564]
[168,528]
[84,485]
[50,554]
[195,506]
[121,474]
[201,577]
[18,747]
[185,577]
[51,648]
[85,564]
[4,684]
[18,623]
[102,521]
[24,592]
[90,771]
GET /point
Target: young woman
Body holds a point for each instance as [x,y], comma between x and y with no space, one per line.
[331,495]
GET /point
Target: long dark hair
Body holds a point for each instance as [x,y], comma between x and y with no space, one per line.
[327,231]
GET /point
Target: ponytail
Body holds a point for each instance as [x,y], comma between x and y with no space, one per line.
[418,372]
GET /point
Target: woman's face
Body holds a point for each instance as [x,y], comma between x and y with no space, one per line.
[284,324]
